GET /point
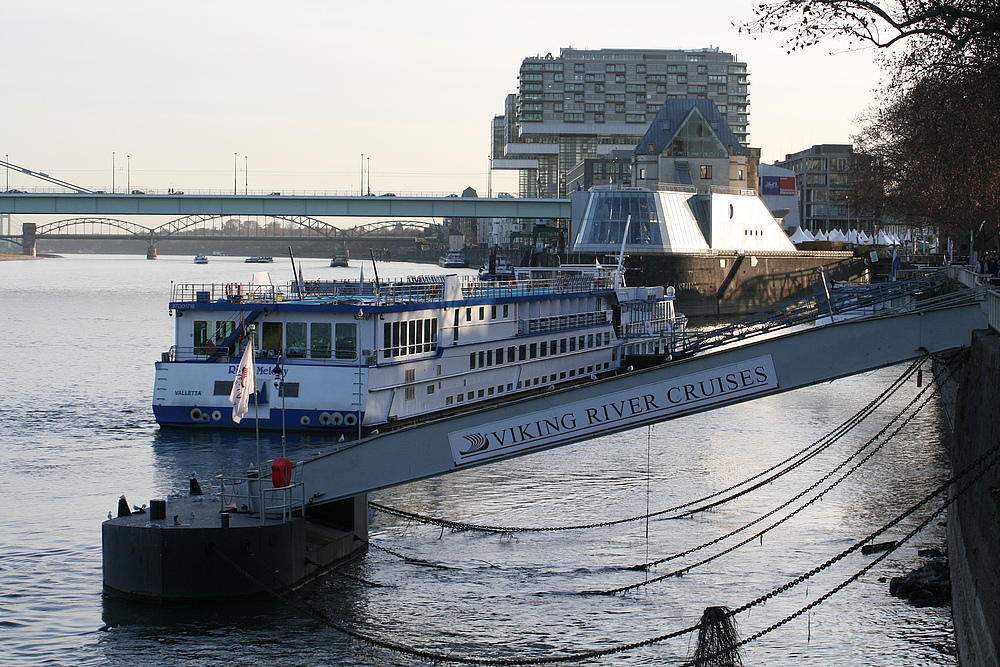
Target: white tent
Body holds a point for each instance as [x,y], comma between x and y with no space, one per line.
[821,236]
[800,236]
[851,236]
[836,235]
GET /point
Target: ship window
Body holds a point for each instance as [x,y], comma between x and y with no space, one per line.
[223,330]
[562,346]
[412,338]
[582,341]
[319,341]
[590,340]
[522,352]
[499,356]
[430,389]
[347,340]
[471,395]
[490,391]
[510,354]
[410,374]
[482,313]
[481,393]
[572,344]
[454,333]
[410,393]
[482,358]
[472,360]
[449,400]
[271,345]
[289,389]
[544,349]
[460,397]
[607,338]
[468,314]
[534,350]
[505,310]
[222,388]
[201,336]
[489,357]
[510,386]
[296,334]
[493,312]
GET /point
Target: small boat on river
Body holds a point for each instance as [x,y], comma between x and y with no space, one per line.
[258,260]
[200,259]
[453,260]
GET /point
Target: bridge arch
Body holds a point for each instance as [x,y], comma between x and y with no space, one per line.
[94,226]
[220,222]
[375,227]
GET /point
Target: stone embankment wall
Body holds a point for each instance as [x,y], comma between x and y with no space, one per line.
[974,519]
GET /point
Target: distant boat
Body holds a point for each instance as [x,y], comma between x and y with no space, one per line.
[258,260]
[220,253]
[453,260]
[200,259]
[339,261]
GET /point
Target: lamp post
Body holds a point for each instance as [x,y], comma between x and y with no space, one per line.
[235,168]
[361,189]
[128,174]
[112,172]
[246,176]
[489,177]
[368,164]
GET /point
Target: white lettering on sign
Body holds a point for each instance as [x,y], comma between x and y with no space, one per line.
[576,421]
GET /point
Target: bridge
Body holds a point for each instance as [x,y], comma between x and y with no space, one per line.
[304,213]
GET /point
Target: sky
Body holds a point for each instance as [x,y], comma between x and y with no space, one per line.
[208,95]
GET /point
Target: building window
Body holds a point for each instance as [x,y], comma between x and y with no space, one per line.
[706,171]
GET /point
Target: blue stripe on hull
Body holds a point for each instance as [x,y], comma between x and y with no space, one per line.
[215,417]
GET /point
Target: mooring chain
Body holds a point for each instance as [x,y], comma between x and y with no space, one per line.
[919,527]
[806,454]
[648,564]
[318,614]
[761,533]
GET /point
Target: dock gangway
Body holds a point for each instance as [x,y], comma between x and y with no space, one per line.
[759,367]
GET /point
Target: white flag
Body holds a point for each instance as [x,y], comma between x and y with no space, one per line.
[244,384]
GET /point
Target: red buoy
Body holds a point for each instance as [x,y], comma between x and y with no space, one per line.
[281,472]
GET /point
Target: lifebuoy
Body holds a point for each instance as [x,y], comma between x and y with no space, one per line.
[304,420]
[336,419]
[216,415]
[197,414]
[324,418]
[350,419]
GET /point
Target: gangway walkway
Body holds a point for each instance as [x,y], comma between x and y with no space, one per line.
[688,386]
[843,299]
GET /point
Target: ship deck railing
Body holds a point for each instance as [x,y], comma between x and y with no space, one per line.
[231,354]
[418,289]
[258,496]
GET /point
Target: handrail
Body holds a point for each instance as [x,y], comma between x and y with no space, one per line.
[257,495]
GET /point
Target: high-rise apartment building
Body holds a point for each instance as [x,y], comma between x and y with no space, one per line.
[584,104]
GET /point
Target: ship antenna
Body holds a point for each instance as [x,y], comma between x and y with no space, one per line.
[375,267]
[620,271]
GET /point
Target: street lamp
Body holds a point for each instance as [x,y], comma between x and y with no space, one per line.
[112,172]
[128,174]
[246,176]
[361,189]
[489,177]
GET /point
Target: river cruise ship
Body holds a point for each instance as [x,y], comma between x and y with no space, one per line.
[357,356]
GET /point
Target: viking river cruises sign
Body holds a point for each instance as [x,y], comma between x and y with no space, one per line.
[614,412]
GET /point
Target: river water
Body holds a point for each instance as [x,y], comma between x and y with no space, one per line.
[78,338]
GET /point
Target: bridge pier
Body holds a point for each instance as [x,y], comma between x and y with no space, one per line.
[151,252]
[28,239]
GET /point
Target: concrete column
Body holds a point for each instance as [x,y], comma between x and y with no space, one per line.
[28,237]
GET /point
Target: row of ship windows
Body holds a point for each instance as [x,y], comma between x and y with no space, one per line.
[319,340]
[531,382]
[515,353]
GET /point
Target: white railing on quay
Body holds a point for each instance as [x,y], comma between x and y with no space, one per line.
[257,495]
